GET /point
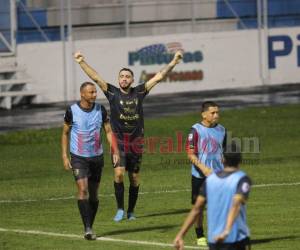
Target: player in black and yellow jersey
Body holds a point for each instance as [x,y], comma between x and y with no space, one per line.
[127,121]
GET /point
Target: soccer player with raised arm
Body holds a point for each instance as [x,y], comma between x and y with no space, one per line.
[127,121]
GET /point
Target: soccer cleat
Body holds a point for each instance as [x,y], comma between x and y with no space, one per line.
[202,242]
[119,215]
[89,235]
[130,216]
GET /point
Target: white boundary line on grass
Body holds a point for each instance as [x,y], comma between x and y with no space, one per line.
[134,242]
[142,193]
[277,184]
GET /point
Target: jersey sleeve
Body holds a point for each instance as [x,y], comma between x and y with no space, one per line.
[141,89]
[68,117]
[111,91]
[192,140]
[105,117]
[244,186]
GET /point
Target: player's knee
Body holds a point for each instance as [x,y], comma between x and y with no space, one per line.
[82,193]
[119,177]
[119,174]
[134,182]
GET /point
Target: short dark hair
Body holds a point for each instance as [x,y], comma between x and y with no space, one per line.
[206,105]
[232,155]
[126,69]
[86,84]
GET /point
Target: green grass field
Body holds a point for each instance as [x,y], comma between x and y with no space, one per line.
[32,180]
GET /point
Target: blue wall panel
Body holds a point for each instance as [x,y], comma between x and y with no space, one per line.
[284,7]
[29,36]
[241,7]
[248,8]
[39,15]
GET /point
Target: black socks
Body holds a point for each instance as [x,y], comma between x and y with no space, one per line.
[199,232]
[132,198]
[85,212]
[93,209]
[119,193]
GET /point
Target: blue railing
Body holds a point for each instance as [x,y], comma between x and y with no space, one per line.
[282,13]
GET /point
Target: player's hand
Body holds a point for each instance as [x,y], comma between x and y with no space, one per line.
[78,57]
[177,57]
[178,243]
[116,159]
[221,237]
[67,164]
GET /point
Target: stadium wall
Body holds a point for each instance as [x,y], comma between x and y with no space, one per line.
[211,61]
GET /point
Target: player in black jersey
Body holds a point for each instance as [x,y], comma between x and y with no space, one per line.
[127,121]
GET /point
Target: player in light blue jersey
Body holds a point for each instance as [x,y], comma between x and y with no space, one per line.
[225,193]
[81,138]
[206,141]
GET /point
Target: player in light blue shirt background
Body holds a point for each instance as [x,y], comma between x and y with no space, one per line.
[206,141]
[226,194]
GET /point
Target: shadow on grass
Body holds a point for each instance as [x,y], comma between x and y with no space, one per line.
[178,211]
[139,229]
[268,240]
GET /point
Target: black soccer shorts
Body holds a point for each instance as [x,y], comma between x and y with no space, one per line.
[87,167]
[196,185]
[130,160]
[240,245]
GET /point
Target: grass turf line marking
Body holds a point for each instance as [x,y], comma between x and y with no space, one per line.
[114,240]
[142,193]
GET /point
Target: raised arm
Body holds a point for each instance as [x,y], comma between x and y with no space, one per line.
[112,142]
[162,73]
[79,58]
[64,146]
[195,161]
